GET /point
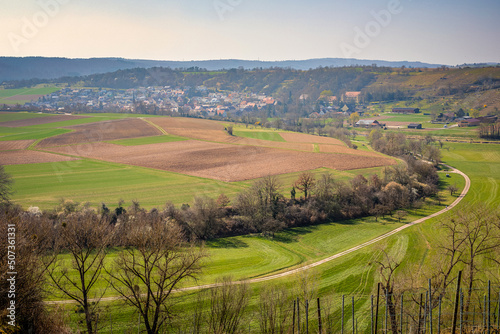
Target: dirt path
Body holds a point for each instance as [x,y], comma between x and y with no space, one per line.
[328,259]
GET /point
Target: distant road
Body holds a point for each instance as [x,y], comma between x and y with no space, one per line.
[328,259]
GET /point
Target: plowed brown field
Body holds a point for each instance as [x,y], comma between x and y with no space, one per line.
[30,157]
[223,161]
[214,131]
[342,149]
[305,138]
[96,132]
[15,145]
[40,120]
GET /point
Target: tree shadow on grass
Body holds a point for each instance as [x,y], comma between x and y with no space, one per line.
[227,243]
[292,234]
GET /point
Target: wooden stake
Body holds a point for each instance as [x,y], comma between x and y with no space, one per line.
[455,312]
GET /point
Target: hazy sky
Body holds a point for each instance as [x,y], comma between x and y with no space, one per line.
[436,31]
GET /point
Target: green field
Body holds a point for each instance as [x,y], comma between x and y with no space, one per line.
[7,134]
[355,274]
[14,96]
[91,181]
[263,135]
[246,257]
[17,116]
[148,140]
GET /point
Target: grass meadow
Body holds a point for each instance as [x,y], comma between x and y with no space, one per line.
[23,95]
[246,257]
[352,275]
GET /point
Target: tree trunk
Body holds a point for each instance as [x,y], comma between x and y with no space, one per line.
[88,315]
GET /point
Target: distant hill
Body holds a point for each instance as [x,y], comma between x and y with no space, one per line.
[25,68]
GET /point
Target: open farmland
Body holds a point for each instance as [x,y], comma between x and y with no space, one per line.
[15,145]
[295,137]
[214,132]
[134,143]
[21,157]
[39,120]
[23,95]
[222,161]
[109,130]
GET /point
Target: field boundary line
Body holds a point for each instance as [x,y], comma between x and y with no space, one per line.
[320,262]
[162,130]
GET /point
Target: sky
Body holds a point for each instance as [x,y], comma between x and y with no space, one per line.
[449,32]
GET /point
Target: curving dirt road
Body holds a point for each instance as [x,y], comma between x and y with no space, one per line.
[328,259]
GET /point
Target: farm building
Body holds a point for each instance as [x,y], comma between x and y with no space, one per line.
[405,110]
[469,122]
[368,123]
[351,97]
[488,119]
[414,126]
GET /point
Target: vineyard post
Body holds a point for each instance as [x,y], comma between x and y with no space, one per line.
[353,316]
[307,316]
[386,310]
[461,311]
[319,317]
[488,331]
[439,315]
[455,311]
[420,313]
[298,316]
[371,310]
[426,310]
[376,309]
[430,307]
[293,317]
[498,315]
[342,320]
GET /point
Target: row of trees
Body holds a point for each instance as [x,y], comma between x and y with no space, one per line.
[397,144]
[70,254]
[490,131]
[264,209]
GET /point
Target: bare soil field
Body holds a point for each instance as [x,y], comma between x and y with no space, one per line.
[305,138]
[24,97]
[214,131]
[96,132]
[345,150]
[223,162]
[40,120]
[15,145]
[30,157]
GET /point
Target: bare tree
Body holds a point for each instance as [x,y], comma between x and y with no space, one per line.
[305,183]
[85,237]
[433,154]
[400,214]
[33,235]
[147,273]
[274,310]
[204,220]
[228,302]
[263,201]
[452,189]
[387,268]
[475,232]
